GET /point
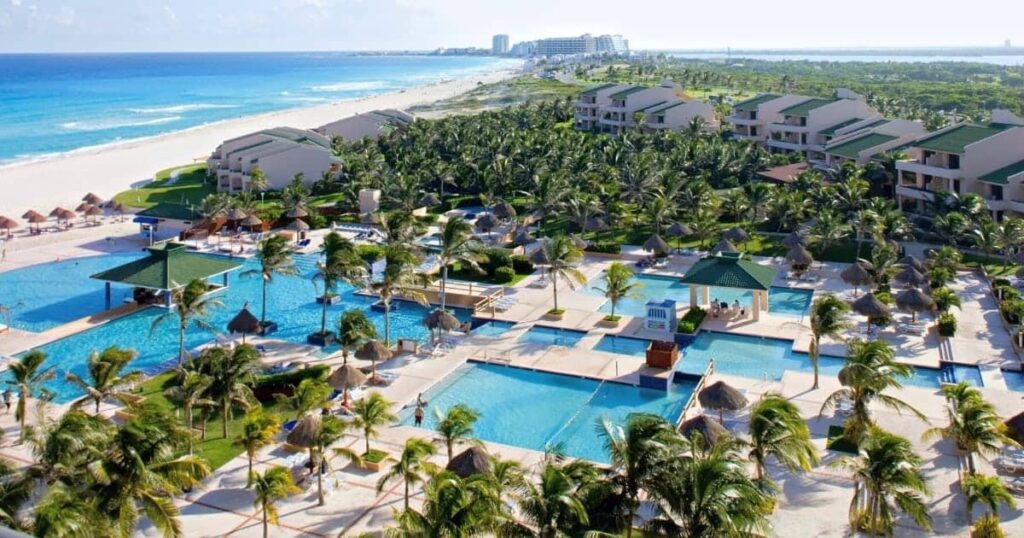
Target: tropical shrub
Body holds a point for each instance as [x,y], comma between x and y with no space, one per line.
[496,258]
[370,253]
[947,324]
[1006,293]
[504,275]
[1012,311]
[267,385]
[604,247]
[522,264]
[987,527]
[691,320]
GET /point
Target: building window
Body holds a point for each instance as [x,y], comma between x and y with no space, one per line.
[954,162]
[997,192]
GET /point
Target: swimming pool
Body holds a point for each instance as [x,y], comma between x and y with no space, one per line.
[623,345]
[493,328]
[46,295]
[534,410]
[291,304]
[552,336]
[782,301]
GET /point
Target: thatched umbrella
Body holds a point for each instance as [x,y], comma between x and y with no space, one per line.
[298,225]
[58,211]
[82,207]
[910,277]
[34,218]
[595,224]
[657,245]
[540,256]
[94,211]
[373,351]
[297,212]
[724,246]
[910,261]
[523,237]
[856,275]
[486,223]
[678,230]
[794,239]
[800,256]
[870,306]
[736,235]
[305,432]
[252,221]
[441,320]
[914,300]
[429,200]
[578,241]
[244,322]
[721,396]
[28,214]
[1015,428]
[7,225]
[92,199]
[344,378]
[237,214]
[504,210]
[472,461]
[118,208]
[710,429]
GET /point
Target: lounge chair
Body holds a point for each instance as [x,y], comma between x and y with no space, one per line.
[386,378]
[1014,465]
[1015,484]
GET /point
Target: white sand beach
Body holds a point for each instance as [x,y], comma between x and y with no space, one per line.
[108,170]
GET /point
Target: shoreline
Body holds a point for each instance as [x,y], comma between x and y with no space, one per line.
[114,167]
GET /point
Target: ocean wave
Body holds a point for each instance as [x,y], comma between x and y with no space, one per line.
[351,86]
[307,99]
[178,109]
[114,124]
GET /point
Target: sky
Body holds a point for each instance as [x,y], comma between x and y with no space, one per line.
[256,25]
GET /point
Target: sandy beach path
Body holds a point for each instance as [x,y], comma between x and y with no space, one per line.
[108,170]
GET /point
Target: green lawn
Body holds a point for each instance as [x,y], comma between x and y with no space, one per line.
[458,273]
[993,266]
[190,188]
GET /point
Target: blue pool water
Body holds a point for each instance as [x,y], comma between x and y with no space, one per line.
[291,304]
[46,295]
[534,410]
[623,345]
[783,301]
[552,336]
[493,328]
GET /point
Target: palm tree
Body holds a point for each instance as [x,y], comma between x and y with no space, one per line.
[985,235]
[989,491]
[190,393]
[354,328]
[310,394]
[887,477]
[64,511]
[28,377]
[231,373]
[190,304]
[105,378]
[370,413]
[827,319]
[15,491]
[457,246]
[552,505]
[275,259]
[456,426]
[257,179]
[401,277]
[945,299]
[273,485]
[870,370]
[829,228]
[561,255]
[258,430]
[410,465]
[453,506]
[618,285]
[341,264]
[778,430]
[974,424]
[1009,236]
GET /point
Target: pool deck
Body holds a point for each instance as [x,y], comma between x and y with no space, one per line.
[811,504]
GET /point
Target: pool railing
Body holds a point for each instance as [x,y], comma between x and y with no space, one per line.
[708,371]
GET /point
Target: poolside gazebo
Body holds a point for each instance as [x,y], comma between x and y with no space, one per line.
[730,270]
[168,267]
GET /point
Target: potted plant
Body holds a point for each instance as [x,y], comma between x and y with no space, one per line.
[555,314]
[618,285]
[372,412]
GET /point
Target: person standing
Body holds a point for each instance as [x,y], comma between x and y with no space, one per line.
[8,398]
[418,416]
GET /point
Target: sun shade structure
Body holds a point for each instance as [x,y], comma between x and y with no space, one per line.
[856,275]
[1015,427]
[595,224]
[794,239]
[730,270]
[373,351]
[7,224]
[540,256]
[92,199]
[486,222]
[870,306]
[678,229]
[298,225]
[736,235]
[914,300]
[237,214]
[504,210]
[251,221]
[244,322]
[168,267]
[472,461]
[910,277]
[304,434]
[656,244]
[710,429]
[721,396]
[344,378]
[910,261]
[297,212]
[429,199]
[799,255]
[724,246]
[523,237]
[442,320]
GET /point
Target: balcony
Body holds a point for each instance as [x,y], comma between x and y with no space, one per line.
[997,205]
[747,137]
[741,120]
[915,193]
[787,128]
[937,171]
[783,144]
[1016,206]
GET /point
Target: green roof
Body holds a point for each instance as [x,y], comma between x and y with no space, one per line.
[957,138]
[169,266]
[832,130]
[668,106]
[728,270]
[655,105]
[628,91]
[851,149]
[806,107]
[752,104]
[595,89]
[1003,175]
[166,210]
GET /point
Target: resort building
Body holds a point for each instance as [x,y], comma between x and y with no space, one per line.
[864,140]
[499,44]
[611,44]
[809,125]
[590,103]
[967,158]
[280,153]
[750,118]
[614,108]
[365,125]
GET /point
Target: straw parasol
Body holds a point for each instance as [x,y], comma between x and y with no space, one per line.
[305,432]
[657,245]
[914,300]
[910,277]
[799,255]
[58,211]
[7,225]
[870,306]
[118,208]
[237,214]
[28,214]
[721,396]
[595,224]
[794,239]
[710,429]
[910,261]
[540,256]
[429,199]
[724,246]
[93,211]
[373,351]
[34,218]
[1015,427]
[298,225]
[678,229]
[856,275]
[92,199]
[244,322]
[252,221]
[504,210]
[523,237]
[297,212]
[441,320]
[344,378]
[736,235]
[578,241]
[486,222]
[82,207]
[472,461]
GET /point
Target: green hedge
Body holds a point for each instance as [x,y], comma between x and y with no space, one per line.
[947,324]
[691,320]
[604,247]
[496,258]
[294,377]
[370,253]
[504,275]
[522,264]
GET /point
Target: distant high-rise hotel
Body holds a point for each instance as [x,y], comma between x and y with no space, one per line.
[499,44]
[568,46]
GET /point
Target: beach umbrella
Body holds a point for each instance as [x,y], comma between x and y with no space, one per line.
[870,306]
[504,210]
[540,256]
[472,461]
[736,235]
[657,245]
[595,224]
[910,261]
[1015,428]
[7,225]
[244,322]
[34,218]
[57,212]
[523,237]
[237,214]
[67,215]
[430,199]
[724,246]
[298,225]
[710,429]
[799,255]
[914,300]
[578,241]
[305,432]
[794,239]
[722,397]
[92,199]
[82,207]
[486,223]
[344,378]
[910,277]
[856,275]
[678,229]
[369,218]
[118,208]
[441,320]
[29,214]
[297,212]
[251,221]
[373,351]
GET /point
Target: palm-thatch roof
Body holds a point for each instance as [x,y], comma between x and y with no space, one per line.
[297,212]
[721,396]
[346,377]
[472,461]
[1015,427]
[30,213]
[244,322]
[870,306]
[35,218]
[710,429]
[914,300]
[304,433]
[504,210]
[910,261]
[856,275]
[430,199]
[794,239]
[523,237]
[7,223]
[724,246]
[678,229]
[540,256]
[298,225]
[799,255]
[910,277]
[373,351]
[578,241]
[656,245]
[93,211]
[80,208]
[92,199]
[736,235]
[595,224]
[237,213]
[486,222]
[251,221]
[441,319]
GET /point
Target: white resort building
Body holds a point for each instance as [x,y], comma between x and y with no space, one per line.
[614,108]
[864,140]
[280,153]
[368,124]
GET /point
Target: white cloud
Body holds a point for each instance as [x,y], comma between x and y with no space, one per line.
[171,15]
[15,3]
[64,16]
